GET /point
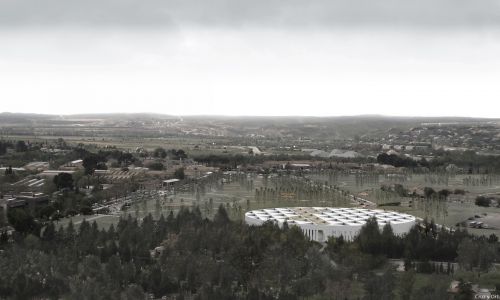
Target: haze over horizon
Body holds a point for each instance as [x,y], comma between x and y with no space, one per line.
[209,116]
[246,58]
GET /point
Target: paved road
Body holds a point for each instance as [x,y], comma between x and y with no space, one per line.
[95,218]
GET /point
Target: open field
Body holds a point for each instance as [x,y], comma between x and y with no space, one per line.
[238,197]
[192,145]
[456,210]
[459,208]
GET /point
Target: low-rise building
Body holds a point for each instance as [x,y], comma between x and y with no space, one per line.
[24,199]
[37,166]
[53,173]
[320,223]
[170,183]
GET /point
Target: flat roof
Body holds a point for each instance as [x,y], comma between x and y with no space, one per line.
[57,172]
[13,169]
[171,180]
[328,216]
[38,163]
[300,165]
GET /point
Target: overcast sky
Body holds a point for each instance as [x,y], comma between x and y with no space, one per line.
[259,57]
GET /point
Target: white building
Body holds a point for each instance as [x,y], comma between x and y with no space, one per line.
[319,223]
[53,173]
[75,163]
[37,166]
[170,183]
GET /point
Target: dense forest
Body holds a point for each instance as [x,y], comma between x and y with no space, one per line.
[185,255]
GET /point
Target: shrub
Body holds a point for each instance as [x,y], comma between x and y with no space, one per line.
[483,201]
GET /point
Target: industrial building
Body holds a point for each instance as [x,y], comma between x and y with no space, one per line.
[320,223]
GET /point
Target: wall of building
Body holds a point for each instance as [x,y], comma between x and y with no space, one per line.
[321,233]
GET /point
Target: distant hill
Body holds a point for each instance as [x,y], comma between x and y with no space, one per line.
[157,125]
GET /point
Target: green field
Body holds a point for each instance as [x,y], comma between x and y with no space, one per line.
[457,208]
[238,198]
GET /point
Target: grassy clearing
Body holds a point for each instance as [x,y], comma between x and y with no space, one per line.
[238,198]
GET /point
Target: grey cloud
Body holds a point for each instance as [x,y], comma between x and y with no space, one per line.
[267,13]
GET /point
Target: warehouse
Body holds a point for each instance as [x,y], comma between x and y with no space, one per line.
[319,223]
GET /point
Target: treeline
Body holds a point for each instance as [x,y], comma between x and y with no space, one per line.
[18,153]
[18,146]
[97,161]
[233,160]
[229,161]
[24,146]
[469,161]
[25,152]
[486,201]
[173,154]
[4,146]
[397,161]
[423,243]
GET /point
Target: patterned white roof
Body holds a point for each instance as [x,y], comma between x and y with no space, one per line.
[328,216]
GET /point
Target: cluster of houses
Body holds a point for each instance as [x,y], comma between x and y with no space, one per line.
[28,191]
[449,136]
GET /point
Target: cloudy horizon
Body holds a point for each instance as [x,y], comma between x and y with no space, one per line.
[220,57]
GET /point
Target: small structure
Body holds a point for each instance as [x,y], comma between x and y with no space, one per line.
[73,165]
[76,163]
[37,166]
[12,202]
[296,166]
[33,199]
[170,183]
[2,169]
[25,199]
[53,173]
